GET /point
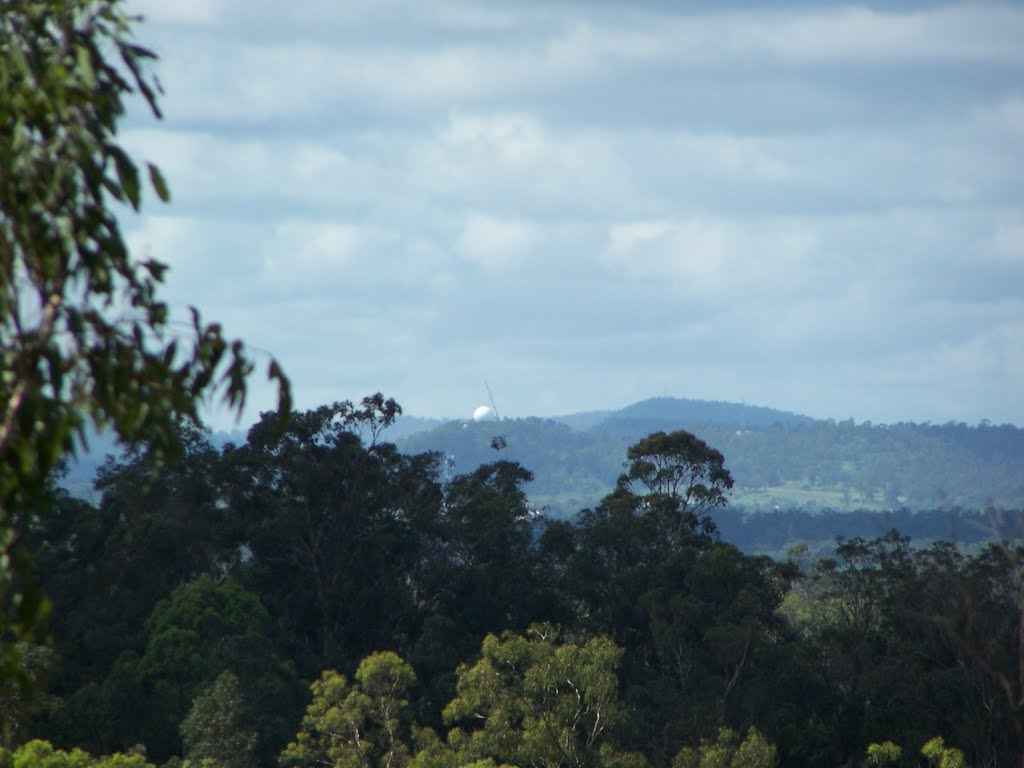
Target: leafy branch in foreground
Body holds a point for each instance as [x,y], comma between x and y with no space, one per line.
[84,338]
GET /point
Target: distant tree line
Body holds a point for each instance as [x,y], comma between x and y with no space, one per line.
[793,462]
[775,531]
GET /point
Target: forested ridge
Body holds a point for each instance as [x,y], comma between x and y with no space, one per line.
[777,458]
[316,596]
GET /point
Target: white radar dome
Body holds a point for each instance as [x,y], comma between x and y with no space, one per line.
[484,413]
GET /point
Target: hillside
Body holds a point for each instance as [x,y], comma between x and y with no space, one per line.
[687,411]
[777,458]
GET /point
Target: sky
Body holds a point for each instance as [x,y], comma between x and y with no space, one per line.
[817,207]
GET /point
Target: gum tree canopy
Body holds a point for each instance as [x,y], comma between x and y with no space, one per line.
[681,467]
[84,337]
[685,478]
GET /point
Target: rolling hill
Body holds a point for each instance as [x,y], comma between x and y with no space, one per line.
[777,458]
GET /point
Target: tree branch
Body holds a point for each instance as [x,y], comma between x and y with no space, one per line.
[14,402]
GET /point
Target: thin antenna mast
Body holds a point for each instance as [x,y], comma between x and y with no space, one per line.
[498,442]
[490,396]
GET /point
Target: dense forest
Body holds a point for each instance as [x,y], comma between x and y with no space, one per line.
[777,458]
[314,596]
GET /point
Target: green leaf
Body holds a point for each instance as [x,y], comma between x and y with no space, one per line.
[284,390]
[159,185]
[127,174]
[83,68]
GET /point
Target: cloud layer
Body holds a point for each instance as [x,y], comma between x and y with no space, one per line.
[813,208]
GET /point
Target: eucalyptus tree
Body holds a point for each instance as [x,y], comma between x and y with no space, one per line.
[684,479]
[85,339]
[359,723]
[215,728]
[333,529]
[532,700]
[695,617]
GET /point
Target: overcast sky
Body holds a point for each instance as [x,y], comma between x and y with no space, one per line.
[809,206]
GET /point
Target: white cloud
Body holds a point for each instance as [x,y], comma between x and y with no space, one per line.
[814,204]
[985,352]
[514,162]
[690,254]
[496,244]
[207,258]
[846,34]
[200,166]
[950,33]
[188,12]
[164,238]
[743,156]
[514,139]
[1008,243]
[309,250]
[710,259]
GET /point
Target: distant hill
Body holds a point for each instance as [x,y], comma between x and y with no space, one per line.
[655,413]
[777,458]
[583,420]
[83,467]
[673,410]
[572,468]
[405,426]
